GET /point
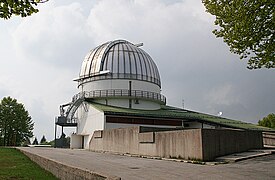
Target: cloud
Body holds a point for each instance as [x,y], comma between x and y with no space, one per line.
[138,20]
[222,95]
[53,36]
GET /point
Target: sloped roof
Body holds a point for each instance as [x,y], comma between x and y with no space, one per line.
[178,113]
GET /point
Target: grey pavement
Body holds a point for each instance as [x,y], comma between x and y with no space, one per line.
[141,168]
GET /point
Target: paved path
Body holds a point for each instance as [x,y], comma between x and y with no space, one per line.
[262,168]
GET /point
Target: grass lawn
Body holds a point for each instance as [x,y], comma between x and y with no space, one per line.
[15,165]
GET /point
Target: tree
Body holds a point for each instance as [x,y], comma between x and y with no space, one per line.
[268,121]
[35,142]
[43,140]
[247,26]
[21,8]
[15,123]
[63,141]
[26,142]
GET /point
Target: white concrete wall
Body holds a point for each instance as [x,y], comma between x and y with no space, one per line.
[114,102]
[149,105]
[88,122]
[120,84]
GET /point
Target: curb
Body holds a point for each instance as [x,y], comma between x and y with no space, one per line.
[64,171]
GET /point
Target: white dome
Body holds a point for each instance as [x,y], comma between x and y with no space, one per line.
[119,59]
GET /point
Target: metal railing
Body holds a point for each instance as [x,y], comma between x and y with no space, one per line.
[67,117]
[66,121]
[120,93]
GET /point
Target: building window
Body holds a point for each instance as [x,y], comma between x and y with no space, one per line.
[186,125]
[136,101]
[145,121]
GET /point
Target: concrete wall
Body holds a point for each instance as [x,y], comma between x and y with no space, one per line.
[63,171]
[76,141]
[116,140]
[201,144]
[219,142]
[269,138]
[180,144]
[184,144]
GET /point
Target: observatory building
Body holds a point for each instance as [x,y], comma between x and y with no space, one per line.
[119,86]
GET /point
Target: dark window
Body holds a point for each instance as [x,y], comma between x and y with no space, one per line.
[147,121]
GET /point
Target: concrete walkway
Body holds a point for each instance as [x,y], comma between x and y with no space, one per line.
[246,155]
[140,168]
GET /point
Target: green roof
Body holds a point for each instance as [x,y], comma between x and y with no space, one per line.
[178,113]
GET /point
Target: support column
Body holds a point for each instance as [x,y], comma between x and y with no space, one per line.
[55,135]
[130,94]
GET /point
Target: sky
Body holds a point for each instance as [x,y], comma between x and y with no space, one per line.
[40,56]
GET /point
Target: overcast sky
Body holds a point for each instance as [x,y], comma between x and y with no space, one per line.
[41,54]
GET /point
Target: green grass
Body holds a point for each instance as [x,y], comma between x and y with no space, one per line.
[15,165]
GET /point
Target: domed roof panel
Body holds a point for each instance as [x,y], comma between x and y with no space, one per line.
[119,60]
